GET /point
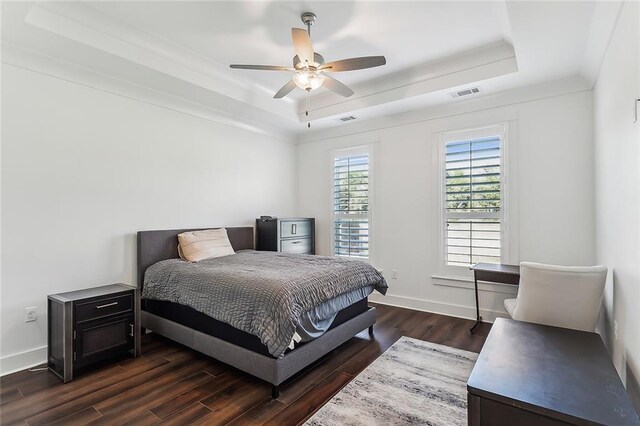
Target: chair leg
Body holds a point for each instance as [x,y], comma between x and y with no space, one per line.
[275,391]
[371,330]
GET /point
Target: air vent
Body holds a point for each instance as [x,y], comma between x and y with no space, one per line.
[464,92]
[349,118]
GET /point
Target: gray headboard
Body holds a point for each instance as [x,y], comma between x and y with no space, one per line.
[154,246]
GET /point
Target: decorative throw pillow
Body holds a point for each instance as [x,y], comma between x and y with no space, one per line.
[198,245]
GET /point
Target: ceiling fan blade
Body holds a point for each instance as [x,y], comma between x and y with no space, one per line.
[262,67]
[337,87]
[354,64]
[302,45]
[285,90]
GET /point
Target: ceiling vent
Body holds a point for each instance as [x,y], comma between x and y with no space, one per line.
[349,118]
[465,92]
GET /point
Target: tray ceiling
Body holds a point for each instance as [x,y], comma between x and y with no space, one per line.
[183,49]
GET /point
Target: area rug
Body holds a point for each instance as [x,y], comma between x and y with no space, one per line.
[413,382]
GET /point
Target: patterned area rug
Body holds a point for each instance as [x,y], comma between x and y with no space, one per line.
[413,382]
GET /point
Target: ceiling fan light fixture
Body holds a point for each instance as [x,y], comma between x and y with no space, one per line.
[309,66]
[308,79]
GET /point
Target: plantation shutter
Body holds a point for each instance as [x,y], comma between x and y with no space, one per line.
[351,206]
[473,187]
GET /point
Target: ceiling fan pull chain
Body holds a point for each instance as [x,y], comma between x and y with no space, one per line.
[306,112]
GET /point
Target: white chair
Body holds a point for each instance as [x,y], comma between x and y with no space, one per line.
[562,296]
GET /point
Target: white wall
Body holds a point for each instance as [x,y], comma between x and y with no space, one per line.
[550,160]
[83,170]
[617,194]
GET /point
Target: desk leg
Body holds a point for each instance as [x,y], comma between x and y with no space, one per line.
[478,317]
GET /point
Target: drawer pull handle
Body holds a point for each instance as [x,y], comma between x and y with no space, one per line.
[294,228]
[107,305]
[131,333]
[296,242]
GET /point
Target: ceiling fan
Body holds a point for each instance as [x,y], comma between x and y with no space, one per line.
[309,67]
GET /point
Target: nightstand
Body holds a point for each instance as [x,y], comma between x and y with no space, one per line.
[87,327]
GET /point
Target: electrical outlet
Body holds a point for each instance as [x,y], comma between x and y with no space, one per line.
[394,274]
[615,330]
[30,314]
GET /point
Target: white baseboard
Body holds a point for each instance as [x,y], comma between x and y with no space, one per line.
[459,311]
[23,360]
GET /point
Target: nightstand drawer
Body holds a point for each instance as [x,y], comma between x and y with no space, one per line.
[297,246]
[103,307]
[295,228]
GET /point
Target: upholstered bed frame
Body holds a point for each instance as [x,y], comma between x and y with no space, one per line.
[154,246]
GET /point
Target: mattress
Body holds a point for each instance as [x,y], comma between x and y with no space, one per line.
[265,294]
[196,320]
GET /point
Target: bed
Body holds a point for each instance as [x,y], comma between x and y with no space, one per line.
[221,340]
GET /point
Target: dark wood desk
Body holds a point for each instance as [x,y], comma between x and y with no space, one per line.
[532,374]
[493,272]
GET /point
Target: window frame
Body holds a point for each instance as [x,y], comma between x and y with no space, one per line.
[500,130]
[347,152]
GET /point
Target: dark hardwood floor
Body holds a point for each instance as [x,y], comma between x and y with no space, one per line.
[171,384]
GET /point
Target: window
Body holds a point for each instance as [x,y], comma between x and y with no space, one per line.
[474,197]
[351,204]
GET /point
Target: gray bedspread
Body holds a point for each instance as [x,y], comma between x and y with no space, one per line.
[262,293]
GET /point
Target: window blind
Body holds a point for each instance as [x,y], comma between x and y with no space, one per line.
[351,206]
[473,201]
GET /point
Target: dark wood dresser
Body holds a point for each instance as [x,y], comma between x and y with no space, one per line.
[87,327]
[532,374]
[286,235]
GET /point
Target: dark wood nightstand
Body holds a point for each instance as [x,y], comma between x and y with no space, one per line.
[90,326]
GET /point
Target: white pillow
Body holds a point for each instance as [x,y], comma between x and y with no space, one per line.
[198,245]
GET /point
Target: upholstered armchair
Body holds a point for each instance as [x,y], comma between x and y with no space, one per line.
[562,296]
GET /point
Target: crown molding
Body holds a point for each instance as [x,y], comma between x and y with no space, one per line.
[605,19]
[252,120]
[461,69]
[486,103]
[81,23]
